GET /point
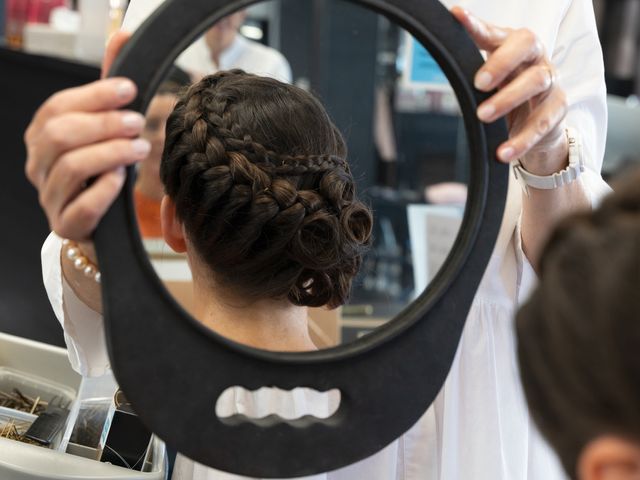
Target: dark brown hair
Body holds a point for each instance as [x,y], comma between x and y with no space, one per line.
[579,334]
[258,174]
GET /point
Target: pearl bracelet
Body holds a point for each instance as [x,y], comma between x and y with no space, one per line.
[80,262]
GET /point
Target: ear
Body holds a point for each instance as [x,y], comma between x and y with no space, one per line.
[172,230]
[610,458]
[116,43]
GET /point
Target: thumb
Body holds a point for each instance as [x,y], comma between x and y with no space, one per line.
[116,43]
[486,36]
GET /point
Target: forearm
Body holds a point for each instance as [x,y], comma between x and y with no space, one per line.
[86,289]
[82,324]
[580,71]
[542,209]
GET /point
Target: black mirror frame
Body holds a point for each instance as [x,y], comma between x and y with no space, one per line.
[173,369]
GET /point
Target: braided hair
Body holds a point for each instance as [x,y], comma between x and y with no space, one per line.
[258,174]
[579,334]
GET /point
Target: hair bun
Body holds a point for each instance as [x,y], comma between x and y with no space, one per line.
[257,172]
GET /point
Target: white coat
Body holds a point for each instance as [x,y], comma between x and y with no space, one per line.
[247,55]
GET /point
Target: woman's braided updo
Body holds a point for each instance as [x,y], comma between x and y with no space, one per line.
[258,175]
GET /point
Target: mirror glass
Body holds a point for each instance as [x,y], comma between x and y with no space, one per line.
[406,142]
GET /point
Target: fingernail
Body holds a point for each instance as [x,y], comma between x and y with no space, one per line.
[132,121]
[486,112]
[483,80]
[141,147]
[126,89]
[506,154]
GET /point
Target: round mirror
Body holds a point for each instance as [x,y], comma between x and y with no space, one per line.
[159,352]
[406,148]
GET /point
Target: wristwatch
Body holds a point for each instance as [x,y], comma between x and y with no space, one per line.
[558,179]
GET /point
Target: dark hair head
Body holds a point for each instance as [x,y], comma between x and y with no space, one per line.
[258,174]
[579,334]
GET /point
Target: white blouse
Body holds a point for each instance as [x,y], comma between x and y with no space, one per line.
[478,427]
[250,56]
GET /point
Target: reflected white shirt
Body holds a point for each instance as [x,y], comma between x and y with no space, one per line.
[250,56]
[478,427]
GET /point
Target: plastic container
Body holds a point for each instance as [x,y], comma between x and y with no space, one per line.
[21,420]
[20,461]
[36,387]
[38,359]
[95,394]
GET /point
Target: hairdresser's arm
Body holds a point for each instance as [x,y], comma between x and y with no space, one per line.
[538,110]
[87,290]
[78,134]
[83,327]
[75,136]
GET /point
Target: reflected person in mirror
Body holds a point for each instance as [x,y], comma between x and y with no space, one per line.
[148,191]
[549,75]
[222,47]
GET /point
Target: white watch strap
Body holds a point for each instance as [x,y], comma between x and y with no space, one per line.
[558,179]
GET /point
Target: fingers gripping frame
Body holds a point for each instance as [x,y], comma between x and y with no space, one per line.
[161,356]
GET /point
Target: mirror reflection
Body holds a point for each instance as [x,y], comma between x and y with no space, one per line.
[407,157]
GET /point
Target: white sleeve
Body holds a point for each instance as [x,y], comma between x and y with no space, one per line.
[83,327]
[580,67]
[282,69]
[269,62]
[137,12]
[578,59]
[196,59]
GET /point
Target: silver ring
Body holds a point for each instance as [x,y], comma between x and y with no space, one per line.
[552,76]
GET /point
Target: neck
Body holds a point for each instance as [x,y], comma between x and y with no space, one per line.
[215,59]
[275,325]
[216,53]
